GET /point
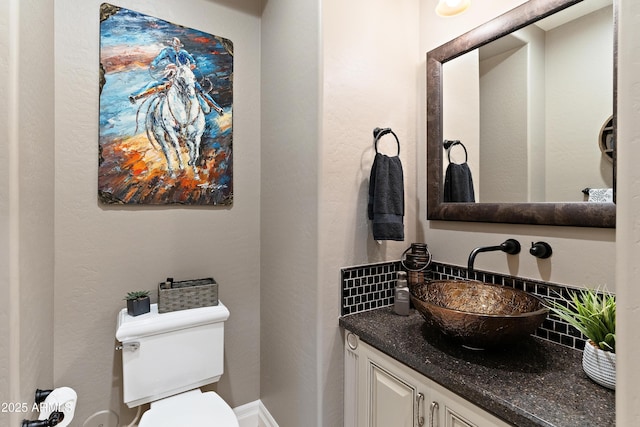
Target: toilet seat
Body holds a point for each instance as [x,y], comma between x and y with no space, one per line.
[192,408]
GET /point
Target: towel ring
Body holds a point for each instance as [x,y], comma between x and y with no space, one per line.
[379,133]
[448,145]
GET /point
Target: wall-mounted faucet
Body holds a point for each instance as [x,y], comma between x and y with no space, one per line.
[510,246]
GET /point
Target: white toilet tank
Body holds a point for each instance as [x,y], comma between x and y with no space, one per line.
[169,353]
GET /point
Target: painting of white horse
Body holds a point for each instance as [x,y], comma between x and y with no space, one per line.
[166,105]
[176,117]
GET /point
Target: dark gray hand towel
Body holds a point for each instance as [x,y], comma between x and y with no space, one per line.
[386,198]
[458,184]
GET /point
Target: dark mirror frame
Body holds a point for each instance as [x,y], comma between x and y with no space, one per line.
[582,214]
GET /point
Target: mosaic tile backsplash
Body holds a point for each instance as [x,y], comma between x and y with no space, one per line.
[370,286]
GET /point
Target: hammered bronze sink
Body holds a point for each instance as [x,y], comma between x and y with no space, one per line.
[476,314]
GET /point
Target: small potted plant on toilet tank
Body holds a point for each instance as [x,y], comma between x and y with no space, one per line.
[594,314]
[138,303]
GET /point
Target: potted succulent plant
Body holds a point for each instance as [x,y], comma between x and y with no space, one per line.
[138,303]
[593,313]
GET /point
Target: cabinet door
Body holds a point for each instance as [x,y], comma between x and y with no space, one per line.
[382,392]
[387,391]
[450,410]
[390,399]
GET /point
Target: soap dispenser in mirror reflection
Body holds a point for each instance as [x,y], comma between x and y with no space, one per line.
[401,297]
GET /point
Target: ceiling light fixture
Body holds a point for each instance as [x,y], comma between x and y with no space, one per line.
[452,7]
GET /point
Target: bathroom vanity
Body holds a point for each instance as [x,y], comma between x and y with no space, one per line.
[384,391]
[398,369]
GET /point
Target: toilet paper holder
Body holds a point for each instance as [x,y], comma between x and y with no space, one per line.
[41,395]
[54,419]
[57,407]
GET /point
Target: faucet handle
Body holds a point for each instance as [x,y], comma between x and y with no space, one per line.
[510,246]
[541,250]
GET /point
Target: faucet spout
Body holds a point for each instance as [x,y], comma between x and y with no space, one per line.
[509,246]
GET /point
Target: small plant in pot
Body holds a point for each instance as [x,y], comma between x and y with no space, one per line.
[594,314]
[138,303]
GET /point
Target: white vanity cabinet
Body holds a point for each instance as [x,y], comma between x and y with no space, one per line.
[382,392]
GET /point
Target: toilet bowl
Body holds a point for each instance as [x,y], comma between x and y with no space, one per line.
[166,358]
[192,408]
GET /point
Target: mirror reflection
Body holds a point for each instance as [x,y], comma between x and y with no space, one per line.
[466,114]
[533,110]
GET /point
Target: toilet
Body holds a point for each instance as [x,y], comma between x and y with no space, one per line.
[167,357]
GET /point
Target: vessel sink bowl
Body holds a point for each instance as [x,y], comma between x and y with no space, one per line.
[476,314]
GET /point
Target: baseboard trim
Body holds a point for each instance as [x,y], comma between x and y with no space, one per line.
[265,418]
[254,414]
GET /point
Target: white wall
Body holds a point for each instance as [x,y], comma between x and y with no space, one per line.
[578,63]
[370,79]
[504,163]
[628,211]
[461,121]
[330,76]
[370,56]
[5,226]
[290,73]
[26,204]
[104,251]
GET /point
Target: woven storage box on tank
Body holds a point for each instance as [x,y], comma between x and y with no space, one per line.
[186,294]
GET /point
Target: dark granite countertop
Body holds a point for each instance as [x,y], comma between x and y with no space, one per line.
[539,383]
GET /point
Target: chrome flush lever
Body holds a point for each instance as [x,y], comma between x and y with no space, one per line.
[129,346]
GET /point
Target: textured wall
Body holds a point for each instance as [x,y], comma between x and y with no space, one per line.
[26,205]
[5,191]
[503,162]
[628,230]
[35,197]
[288,211]
[574,114]
[461,119]
[354,73]
[104,251]
[370,75]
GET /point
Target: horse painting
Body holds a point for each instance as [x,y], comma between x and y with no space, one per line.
[166,112]
[176,117]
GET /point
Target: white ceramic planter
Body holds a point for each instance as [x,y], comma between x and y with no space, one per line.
[599,365]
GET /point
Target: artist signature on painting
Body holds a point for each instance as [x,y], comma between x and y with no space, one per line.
[212,187]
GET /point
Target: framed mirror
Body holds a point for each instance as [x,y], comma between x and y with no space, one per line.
[479,116]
